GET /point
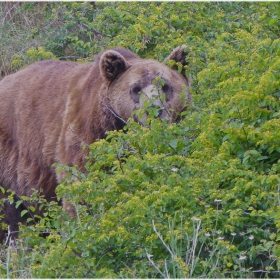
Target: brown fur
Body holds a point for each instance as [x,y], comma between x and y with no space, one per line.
[50,107]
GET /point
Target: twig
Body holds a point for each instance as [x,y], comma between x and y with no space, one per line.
[117,116]
[8,13]
[194,243]
[69,127]
[72,57]
[96,32]
[111,111]
[160,237]
[153,264]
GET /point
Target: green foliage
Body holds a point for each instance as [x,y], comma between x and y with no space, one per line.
[31,55]
[199,198]
[72,29]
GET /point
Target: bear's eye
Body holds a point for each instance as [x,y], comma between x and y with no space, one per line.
[136,89]
[135,93]
[167,89]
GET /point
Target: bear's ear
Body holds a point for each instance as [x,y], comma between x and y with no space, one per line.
[178,55]
[112,64]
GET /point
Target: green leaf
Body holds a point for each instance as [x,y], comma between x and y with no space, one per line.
[23,212]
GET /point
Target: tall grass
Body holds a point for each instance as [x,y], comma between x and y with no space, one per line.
[17,32]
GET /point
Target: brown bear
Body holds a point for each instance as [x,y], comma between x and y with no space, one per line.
[50,108]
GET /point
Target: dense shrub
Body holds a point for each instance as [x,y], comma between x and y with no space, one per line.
[199,198]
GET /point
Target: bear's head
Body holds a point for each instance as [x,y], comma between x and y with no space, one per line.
[134,83]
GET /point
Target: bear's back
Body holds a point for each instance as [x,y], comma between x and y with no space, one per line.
[32,107]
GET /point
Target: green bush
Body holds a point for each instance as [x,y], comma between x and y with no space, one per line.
[199,198]
[73,29]
[30,56]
